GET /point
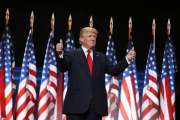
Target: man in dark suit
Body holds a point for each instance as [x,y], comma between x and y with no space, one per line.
[86,97]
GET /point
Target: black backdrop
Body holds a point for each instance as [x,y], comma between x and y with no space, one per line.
[142,14]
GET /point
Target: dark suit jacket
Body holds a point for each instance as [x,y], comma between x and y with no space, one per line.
[82,85]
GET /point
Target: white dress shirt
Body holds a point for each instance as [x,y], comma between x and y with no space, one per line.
[85,52]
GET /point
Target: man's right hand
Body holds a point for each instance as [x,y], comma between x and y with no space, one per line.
[59,47]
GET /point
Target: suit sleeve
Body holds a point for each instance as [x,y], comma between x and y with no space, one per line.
[64,64]
[115,70]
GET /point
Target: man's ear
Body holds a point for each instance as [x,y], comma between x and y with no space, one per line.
[81,39]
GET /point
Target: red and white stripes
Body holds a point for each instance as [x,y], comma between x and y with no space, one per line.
[26,96]
[150,100]
[167,101]
[59,99]
[47,95]
[129,103]
[8,102]
[108,100]
[112,89]
[114,93]
[64,93]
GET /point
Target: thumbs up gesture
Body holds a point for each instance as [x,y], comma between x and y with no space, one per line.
[131,54]
[59,47]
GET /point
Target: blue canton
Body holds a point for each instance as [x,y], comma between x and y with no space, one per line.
[169,66]
[111,55]
[6,56]
[151,64]
[69,45]
[29,57]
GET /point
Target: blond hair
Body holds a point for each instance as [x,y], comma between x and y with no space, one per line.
[86,29]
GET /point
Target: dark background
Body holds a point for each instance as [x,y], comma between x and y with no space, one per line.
[141,12]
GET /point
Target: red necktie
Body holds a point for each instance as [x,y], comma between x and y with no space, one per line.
[90,62]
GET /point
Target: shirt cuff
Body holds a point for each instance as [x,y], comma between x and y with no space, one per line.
[61,56]
[129,62]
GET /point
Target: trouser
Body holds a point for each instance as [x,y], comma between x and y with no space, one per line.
[89,115]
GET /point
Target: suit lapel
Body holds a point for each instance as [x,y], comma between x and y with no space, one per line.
[95,62]
[83,60]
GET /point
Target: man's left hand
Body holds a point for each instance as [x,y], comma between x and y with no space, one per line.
[131,54]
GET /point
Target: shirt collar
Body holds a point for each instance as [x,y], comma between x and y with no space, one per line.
[84,49]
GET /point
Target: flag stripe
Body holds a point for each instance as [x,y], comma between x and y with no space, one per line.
[168,97]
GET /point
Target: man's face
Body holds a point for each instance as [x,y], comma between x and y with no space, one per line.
[88,40]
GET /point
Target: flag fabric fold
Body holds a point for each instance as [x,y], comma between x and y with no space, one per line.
[2,85]
[7,65]
[167,93]
[129,108]
[59,99]
[112,82]
[12,63]
[47,92]
[26,96]
[150,97]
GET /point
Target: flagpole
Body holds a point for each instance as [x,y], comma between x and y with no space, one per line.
[7,16]
[32,21]
[69,22]
[130,26]
[111,25]
[153,33]
[91,22]
[168,27]
[52,24]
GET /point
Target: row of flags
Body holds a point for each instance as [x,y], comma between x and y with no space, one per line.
[158,101]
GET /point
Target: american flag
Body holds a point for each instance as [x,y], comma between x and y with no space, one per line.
[26,96]
[112,82]
[47,93]
[167,93]
[150,98]
[68,46]
[9,64]
[129,98]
